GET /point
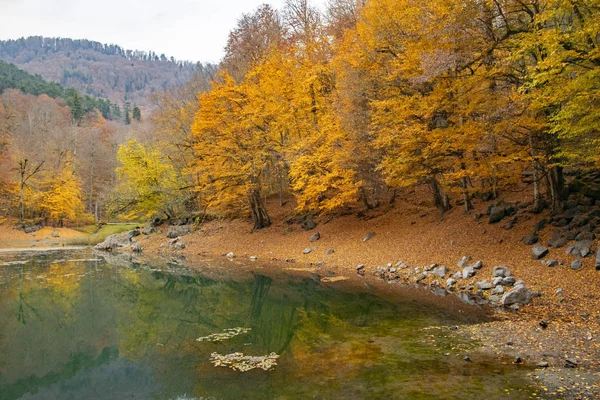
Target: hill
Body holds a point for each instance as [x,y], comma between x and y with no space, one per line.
[98,70]
[12,77]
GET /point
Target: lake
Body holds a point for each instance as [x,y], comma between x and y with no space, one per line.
[74,325]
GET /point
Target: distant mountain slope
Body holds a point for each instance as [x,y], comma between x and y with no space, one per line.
[97,69]
[12,77]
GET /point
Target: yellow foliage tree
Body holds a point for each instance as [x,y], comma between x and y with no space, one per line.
[63,200]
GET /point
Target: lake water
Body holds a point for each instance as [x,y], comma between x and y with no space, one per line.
[76,326]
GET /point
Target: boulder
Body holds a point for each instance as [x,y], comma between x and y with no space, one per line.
[457,275]
[148,231]
[450,282]
[508,281]
[308,223]
[558,243]
[585,236]
[440,271]
[115,241]
[178,230]
[497,281]
[519,295]
[315,237]
[498,289]
[538,251]
[360,267]
[530,239]
[307,250]
[541,224]
[550,263]
[468,272]
[501,272]
[576,264]
[484,285]
[497,214]
[477,265]
[581,248]
[464,261]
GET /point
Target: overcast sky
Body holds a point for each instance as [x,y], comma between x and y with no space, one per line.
[193,30]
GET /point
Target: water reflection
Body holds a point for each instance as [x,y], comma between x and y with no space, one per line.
[77,327]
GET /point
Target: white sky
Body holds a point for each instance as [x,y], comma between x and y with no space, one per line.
[193,30]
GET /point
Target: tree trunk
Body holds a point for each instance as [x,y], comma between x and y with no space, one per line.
[440,199]
[258,211]
[538,201]
[557,188]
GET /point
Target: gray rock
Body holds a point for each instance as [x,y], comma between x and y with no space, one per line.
[497,281]
[148,231]
[137,247]
[468,272]
[230,255]
[329,251]
[315,237]
[519,282]
[501,272]
[497,214]
[440,271]
[498,290]
[450,282]
[484,285]
[478,265]
[571,363]
[308,223]
[541,224]
[585,236]
[582,248]
[558,243]
[598,259]
[176,231]
[550,263]
[519,295]
[538,251]
[430,267]
[543,364]
[368,236]
[253,258]
[420,277]
[360,267]
[307,250]
[530,239]
[457,275]
[115,241]
[508,281]
[464,261]
[576,264]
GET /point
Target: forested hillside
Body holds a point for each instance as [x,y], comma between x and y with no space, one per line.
[12,77]
[98,70]
[345,109]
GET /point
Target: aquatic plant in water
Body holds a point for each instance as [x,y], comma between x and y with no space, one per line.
[227,334]
[240,362]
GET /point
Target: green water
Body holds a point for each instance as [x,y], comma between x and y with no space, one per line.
[75,328]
